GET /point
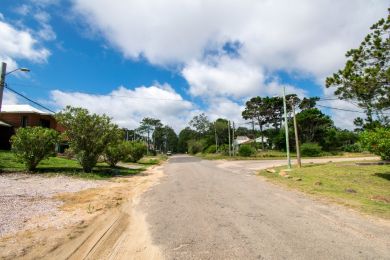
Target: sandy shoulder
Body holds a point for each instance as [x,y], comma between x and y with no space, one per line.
[96,221]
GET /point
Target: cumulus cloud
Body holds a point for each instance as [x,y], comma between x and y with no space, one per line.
[10,98]
[310,35]
[19,44]
[308,38]
[127,107]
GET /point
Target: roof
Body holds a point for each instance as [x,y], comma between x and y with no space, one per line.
[5,124]
[22,109]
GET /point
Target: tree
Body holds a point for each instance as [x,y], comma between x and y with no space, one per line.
[255,109]
[185,135]
[377,142]
[312,125]
[365,77]
[308,103]
[137,151]
[33,144]
[165,139]
[149,125]
[201,124]
[88,134]
[117,151]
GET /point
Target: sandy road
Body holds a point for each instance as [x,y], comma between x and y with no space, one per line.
[214,210]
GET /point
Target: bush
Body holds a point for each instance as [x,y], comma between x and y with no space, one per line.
[33,144]
[195,147]
[137,150]
[116,152]
[88,134]
[353,148]
[224,149]
[211,149]
[246,150]
[311,149]
[377,142]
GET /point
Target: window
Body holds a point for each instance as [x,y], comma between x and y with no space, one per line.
[45,123]
[24,121]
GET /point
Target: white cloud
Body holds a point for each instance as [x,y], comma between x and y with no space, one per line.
[19,44]
[311,36]
[10,98]
[224,77]
[127,107]
[305,37]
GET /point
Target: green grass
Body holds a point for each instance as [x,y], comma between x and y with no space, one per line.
[58,165]
[153,160]
[273,154]
[364,188]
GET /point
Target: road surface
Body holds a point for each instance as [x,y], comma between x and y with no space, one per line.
[213,210]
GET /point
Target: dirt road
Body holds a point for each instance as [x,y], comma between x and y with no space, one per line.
[219,210]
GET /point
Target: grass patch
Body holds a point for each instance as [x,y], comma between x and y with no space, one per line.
[273,154]
[62,166]
[364,188]
[153,160]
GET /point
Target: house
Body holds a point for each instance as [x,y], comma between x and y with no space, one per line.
[14,116]
[246,140]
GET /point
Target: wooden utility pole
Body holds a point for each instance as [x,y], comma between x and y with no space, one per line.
[216,138]
[296,136]
[230,153]
[234,147]
[3,70]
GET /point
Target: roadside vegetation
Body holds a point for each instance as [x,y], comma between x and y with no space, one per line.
[53,166]
[362,187]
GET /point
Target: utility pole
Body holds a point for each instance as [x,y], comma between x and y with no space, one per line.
[2,81]
[296,136]
[3,73]
[230,153]
[216,138]
[234,147]
[286,128]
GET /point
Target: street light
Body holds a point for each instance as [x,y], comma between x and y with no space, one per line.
[21,69]
[2,78]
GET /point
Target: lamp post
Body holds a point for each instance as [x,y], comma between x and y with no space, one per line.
[4,73]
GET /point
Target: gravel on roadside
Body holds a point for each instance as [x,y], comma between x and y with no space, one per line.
[25,196]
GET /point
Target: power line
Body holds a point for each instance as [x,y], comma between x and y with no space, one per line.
[32,101]
[347,110]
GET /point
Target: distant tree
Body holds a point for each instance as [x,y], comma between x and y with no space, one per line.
[185,135]
[33,144]
[88,134]
[201,124]
[308,103]
[313,125]
[149,125]
[256,109]
[165,139]
[365,77]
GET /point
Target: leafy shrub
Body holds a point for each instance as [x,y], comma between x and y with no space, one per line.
[195,146]
[137,150]
[311,149]
[33,144]
[377,142]
[116,152]
[69,153]
[246,150]
[224,149]
[88,134]
[353,148]
[211,149]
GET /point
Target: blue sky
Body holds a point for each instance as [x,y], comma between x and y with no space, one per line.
[131,59]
